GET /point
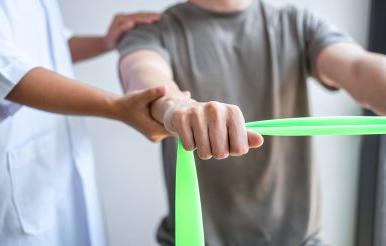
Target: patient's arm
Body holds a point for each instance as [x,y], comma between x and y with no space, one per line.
[145,69]
[214,129]
[361,73]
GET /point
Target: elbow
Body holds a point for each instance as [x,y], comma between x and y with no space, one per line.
[127,69]
[123,79]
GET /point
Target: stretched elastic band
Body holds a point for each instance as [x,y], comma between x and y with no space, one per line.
[188,214]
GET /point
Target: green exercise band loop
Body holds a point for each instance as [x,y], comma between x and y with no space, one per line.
[188,215]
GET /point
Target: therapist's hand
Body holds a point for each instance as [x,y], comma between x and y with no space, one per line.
[123,23]
[86,47]
[214,129]
[134,110]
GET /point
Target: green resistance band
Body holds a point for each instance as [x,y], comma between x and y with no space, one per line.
[188,214]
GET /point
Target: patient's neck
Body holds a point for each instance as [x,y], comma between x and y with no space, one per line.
[222,5]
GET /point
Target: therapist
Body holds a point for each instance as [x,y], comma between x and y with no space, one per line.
[48,195]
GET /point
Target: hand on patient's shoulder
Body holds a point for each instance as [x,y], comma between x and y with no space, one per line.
[215,129]
[123,23]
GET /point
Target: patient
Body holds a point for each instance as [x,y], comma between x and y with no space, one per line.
[258,56]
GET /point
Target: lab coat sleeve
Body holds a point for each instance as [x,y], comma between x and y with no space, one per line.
[14,65]
[67,32]
[12,69]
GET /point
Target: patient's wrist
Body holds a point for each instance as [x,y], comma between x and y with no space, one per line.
[165,104]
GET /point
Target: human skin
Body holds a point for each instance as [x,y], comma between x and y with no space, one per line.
[216,129]
[45,90]
[86,47]
[347,66]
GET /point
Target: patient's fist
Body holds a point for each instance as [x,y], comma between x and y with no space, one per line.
[214,129]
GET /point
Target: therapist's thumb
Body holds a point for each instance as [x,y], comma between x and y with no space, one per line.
[150,95]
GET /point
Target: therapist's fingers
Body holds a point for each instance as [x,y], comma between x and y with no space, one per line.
[123,23]
[117,30]
[148,96]
[136,18]
[154,131]
[134,110]
[117,33]
[123,28]
[146,17]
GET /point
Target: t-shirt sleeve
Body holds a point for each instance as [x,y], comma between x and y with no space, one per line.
[143,37]
[317,34]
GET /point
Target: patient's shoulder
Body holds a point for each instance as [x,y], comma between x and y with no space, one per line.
[277,13]
[278,8]
[176,10]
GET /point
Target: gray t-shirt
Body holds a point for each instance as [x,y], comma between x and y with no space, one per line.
[258,59]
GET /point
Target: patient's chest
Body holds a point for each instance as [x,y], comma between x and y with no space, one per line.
[243,63]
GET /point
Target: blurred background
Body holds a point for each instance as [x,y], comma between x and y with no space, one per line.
[129,171]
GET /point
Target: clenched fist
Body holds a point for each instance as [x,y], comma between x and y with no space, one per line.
[214,129]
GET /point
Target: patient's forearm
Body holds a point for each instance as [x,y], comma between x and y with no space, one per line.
[369,74]
[365,80]
[146,69]
[359,72]
[214,129]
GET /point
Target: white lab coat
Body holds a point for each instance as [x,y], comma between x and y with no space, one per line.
[48,195]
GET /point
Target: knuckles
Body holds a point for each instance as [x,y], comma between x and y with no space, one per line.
[204,156]
[215,112]
[234,110]
[212,112]
[239,150]
[189,146]
[212,106]
[177,118]
[194,113]
[221,155]
[119,17]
